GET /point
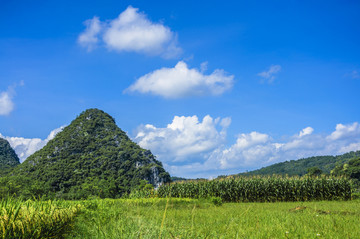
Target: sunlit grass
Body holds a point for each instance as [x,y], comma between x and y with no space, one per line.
[36,219]
[178,218]
[191,218]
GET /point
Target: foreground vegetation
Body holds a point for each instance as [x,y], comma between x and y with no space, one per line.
[190,218]
[178,218]
[36,219]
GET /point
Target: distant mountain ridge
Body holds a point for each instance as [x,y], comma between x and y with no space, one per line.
[8,157]
[299,167]
[92,156]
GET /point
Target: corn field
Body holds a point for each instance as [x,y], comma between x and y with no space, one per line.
[35,219]
[262,189]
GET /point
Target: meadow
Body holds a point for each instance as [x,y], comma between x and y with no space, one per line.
[267,207]
[179,218]
[191,218]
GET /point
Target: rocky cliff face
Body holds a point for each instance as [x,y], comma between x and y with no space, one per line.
[8,157]
[92,150]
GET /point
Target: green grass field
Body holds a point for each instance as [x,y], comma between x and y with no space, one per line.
[190,218]
[179,218]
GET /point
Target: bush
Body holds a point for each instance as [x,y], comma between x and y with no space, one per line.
[217,201]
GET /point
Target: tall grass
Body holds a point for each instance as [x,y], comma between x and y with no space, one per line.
[262,189]
[35,219]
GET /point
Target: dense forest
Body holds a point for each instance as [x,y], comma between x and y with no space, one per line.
[90,157]
[301,167]
[350,169]
[8,157]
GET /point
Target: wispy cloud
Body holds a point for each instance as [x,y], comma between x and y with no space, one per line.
[90,37]
[181,81]
[355,75]
[6,99]
[270,74]
[132,31]
[24,147]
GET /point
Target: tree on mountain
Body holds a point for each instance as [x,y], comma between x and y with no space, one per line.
[350,169]
[314,171]
[8,157]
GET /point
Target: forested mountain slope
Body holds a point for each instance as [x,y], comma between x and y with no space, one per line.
[91,156]
[8,157]
[300,167]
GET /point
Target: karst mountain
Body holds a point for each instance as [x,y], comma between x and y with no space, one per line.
[92,156]
[8,157]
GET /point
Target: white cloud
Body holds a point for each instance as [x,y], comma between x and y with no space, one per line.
[190,148]
[131,31]
[248,152]
[247,140]
[184,138]
[24,147]
[350,147]
[6,99]
[181,81]
[269,75]
[6,103]
[89,38]
[306,131]
[344,131]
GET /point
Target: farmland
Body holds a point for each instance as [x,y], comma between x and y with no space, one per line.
[193,218]
[262,189]
[36,219]
[255,207]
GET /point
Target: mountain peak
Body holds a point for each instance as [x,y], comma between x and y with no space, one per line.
[94,113]
[8,157]
[93,149]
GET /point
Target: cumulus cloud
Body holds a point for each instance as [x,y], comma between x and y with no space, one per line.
[185,138]
[344,131]
[6,99]
[24,147]
[190,148]
[181,81]
[306,131]
[131,31]
[270,74]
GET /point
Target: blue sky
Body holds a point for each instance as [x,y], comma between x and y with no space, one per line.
[211,89]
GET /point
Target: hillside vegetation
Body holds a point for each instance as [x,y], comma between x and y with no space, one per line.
[8,157]
[300,167]
[91,156]
[351,170]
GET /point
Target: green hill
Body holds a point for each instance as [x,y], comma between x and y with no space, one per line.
[300,167]
[350,169]
[8,157]
[91,156]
